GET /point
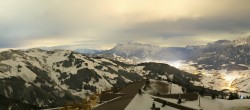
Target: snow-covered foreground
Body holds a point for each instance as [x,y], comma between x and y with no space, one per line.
[207,103]
[145,101]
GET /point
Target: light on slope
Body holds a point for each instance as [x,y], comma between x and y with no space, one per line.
[176,64]
[229,78]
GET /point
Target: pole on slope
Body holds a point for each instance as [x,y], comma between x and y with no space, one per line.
[170,87]
[199,100]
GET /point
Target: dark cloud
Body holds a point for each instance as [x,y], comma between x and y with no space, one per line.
[189,27]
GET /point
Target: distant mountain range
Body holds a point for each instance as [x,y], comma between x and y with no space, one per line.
[222,54]
[88,51]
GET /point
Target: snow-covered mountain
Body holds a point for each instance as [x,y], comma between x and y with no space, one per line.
[222,54]
[87,51]
[138,52]
[37,78]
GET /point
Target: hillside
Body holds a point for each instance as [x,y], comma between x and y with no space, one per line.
[43,79]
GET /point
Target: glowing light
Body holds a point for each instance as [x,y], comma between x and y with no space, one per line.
[241,97]
[229,78]
[232,89]
[176,64]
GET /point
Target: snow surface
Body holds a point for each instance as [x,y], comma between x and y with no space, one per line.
[176,88]
[145,101]
[219,104]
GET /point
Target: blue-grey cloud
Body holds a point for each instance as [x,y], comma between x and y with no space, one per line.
[189,27]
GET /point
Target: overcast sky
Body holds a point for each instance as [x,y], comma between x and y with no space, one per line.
[100,24]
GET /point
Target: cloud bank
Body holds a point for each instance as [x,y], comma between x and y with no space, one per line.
[101,24]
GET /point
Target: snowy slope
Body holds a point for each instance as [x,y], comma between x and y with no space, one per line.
[55,78]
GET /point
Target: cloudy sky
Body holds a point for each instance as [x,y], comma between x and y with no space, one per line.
[100,24]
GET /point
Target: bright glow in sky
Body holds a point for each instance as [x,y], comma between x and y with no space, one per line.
[101,24]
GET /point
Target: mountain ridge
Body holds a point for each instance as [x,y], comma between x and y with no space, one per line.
[55,78]
[133,52]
